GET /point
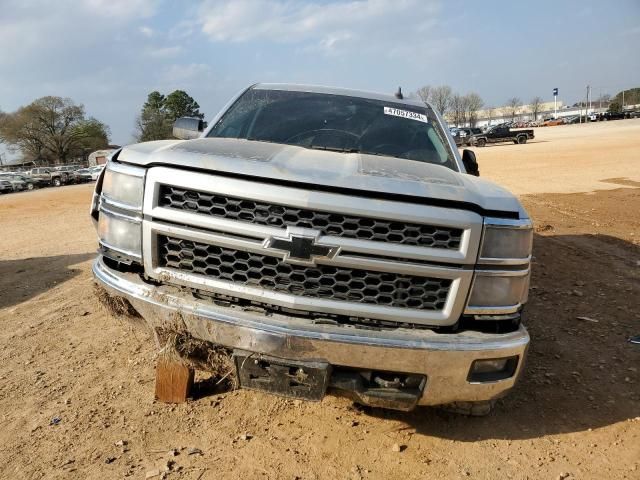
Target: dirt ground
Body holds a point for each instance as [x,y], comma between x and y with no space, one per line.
[76,386]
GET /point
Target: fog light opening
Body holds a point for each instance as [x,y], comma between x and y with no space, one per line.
[492,369]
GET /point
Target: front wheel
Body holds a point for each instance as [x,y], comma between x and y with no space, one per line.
[522,139]
[481,142]
[30,186]
[56,182]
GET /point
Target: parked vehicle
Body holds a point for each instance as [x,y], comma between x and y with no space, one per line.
[84,175]
[29,182]
[70,170]
[332,240]
[19,182]
[48,176]
[574,119]
[467,133]
[5,186]
[457,136]
[90,174]
[501,134]
[612,116]
[552,122]
[96,171]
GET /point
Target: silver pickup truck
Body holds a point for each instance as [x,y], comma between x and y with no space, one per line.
[334,238]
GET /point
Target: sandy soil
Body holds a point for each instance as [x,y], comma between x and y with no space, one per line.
[76,386]
[572,158]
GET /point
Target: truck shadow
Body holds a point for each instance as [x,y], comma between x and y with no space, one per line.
[581,372]
[24,278]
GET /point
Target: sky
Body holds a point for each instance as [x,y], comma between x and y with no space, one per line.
[109,54]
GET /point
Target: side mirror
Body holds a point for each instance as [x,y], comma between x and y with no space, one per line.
[470,163]
[187,128]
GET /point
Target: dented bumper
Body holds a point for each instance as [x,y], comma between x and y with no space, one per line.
[444,359]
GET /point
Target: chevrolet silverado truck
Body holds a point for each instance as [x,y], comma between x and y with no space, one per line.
[46,176]
[501,134]
[334,240]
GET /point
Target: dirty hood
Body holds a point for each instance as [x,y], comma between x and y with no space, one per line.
[371,173]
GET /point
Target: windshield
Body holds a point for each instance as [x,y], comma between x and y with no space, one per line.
[338,123]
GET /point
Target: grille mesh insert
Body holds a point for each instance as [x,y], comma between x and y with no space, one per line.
[337,224]
[319,281]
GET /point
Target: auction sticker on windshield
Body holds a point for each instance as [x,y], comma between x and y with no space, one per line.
[396,112]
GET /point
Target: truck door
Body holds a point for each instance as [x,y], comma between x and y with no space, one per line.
[500,133]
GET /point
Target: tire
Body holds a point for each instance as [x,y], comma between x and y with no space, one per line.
[522,139]
[481,142]
[472,409]
[30,186]
[56,182]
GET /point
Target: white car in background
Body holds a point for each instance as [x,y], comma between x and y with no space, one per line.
[90,174]
[95,172]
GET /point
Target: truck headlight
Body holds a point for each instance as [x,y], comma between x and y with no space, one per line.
[123,185]
[120,233]
[120,212]
[506,242]
[499,291]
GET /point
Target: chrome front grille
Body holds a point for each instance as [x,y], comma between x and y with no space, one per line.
[328,223]
[305,250]
[318,281]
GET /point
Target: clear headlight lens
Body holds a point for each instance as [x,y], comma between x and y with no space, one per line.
[123,188]
[120,233]
[498,291]
[501,242]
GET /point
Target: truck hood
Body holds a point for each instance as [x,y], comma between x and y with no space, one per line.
[288,163]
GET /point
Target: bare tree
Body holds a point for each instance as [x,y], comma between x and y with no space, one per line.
[424,93]
[472,102]
[513,107]
[441,98]
[457,110]
[536,105]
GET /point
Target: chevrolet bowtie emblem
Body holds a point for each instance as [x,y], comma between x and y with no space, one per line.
[301,246]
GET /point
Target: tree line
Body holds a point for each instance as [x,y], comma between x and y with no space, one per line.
[56,130]
[461,110]
[52,130]
[456,108]
[159,112]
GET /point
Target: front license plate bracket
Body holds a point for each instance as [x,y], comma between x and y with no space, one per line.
[287,378]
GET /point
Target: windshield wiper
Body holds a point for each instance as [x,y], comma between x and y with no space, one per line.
[331,149]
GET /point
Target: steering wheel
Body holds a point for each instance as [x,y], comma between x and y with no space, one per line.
[309,133]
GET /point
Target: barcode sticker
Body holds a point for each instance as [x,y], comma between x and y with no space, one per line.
[396,112]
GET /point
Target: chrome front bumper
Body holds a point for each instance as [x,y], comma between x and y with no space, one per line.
[445,359]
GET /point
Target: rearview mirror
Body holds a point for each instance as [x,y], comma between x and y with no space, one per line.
[187,128]
[470,163]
